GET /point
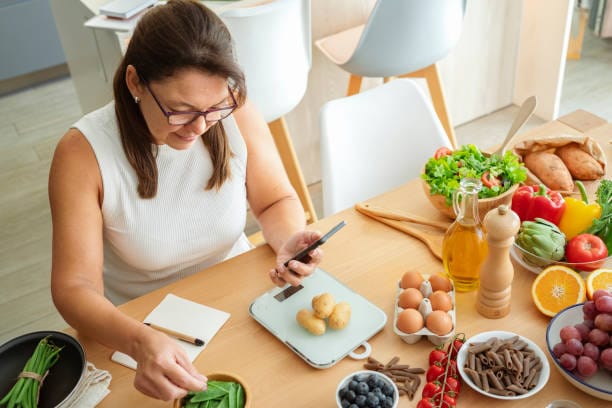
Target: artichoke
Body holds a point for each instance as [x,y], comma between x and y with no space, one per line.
[543,239]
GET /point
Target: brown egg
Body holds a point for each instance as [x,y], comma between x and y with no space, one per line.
[439,322]
[410,298]
[411,279]
[439,282]
[440,300]
[409,321]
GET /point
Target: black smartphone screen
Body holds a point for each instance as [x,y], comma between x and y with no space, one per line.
[303,256]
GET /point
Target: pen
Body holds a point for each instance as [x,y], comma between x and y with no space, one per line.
[180,336]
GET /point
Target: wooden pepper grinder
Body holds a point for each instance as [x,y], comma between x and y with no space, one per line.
[497,272]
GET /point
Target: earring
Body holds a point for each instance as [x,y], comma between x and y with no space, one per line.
[136,100]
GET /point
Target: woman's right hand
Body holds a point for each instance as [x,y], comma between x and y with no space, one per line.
[164,370]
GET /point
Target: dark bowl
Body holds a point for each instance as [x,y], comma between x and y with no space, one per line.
[63,377]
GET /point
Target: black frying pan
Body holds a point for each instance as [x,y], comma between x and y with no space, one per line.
[63,376]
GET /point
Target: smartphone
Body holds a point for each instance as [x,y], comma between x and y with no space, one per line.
[303,256]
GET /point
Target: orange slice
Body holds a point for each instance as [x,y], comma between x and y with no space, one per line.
[556,288]
[599,279]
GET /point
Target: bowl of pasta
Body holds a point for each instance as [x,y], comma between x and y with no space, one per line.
[503,365]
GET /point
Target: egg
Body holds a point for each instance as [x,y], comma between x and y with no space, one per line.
[409,321]
[440,300]
[410,298]
[438,322]
[439,282]
[411,279]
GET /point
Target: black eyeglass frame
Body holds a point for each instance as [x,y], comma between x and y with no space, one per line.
[169,114]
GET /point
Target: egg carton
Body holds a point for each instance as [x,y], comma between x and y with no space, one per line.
[425,309]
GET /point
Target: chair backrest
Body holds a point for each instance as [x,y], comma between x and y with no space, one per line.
[375,141]
[273,45]
[403,36]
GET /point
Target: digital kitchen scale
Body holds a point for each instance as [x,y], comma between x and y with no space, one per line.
[277,308]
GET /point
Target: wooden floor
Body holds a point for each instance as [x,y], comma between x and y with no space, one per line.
[32,120]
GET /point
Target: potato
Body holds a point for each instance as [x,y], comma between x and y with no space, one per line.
[550,169]
[340,316]
[580,164]
[323,305]
[310,322]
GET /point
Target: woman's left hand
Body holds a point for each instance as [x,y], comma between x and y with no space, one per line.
[296,271]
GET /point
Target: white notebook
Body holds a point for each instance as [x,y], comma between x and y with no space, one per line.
[184,316]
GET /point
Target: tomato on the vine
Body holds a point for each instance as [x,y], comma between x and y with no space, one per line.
[437,355]
[454,347]
[435,372]
[431,389]
[426,403]
[452,384]
[447,401]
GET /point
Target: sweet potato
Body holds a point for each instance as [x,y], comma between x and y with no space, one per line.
[550,169]
[581,165]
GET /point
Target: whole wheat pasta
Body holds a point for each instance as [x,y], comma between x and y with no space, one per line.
[494,359]
[507,359]
[517,389]
[485,382]
[504,392]
[494,381]
[474,376]
[480,347]
[471,360]
[517,364]
[526,367]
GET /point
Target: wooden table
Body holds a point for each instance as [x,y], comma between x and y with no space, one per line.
[367,256]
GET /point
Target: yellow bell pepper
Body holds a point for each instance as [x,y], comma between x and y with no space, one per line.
[579,214]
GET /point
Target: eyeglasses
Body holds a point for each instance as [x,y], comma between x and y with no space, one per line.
[184,118]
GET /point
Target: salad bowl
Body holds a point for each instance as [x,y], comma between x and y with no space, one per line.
[484,204]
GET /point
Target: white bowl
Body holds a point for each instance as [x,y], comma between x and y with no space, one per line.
[344,382]
[482,337]
[599,385]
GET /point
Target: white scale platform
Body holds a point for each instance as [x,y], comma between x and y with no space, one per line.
[277,308]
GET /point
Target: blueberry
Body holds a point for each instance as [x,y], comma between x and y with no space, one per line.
[345,403]
[353,385]
[362,388]
[353,406]
[360,400]
[380,382]
[350,396]
[387,389]
[380,395]
[372,381]
[388,402]
[373,400]
[342,392]
[375,389]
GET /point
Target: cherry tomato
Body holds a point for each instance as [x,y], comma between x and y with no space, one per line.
[437,355]
[447,401]
[435,372]
[454,347]
[425,403]
[452,385]
[441,152]
[431,389]
[490,181]
[585,248]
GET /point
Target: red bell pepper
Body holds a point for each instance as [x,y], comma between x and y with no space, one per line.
[531,202]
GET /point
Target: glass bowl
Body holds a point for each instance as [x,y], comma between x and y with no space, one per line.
[536,264]
[599,385]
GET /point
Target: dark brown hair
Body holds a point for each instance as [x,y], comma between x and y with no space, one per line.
[178,35]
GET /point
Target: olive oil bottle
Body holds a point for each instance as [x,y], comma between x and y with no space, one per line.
[464,247]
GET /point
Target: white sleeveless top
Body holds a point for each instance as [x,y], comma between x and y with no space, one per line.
[149,243]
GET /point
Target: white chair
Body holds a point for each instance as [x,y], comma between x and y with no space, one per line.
[273,46]
[401,38]
[375,141]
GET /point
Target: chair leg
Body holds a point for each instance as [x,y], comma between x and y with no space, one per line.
[280,133]
[354,85]
[432,77]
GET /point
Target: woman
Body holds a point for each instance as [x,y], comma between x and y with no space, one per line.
[154,187]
